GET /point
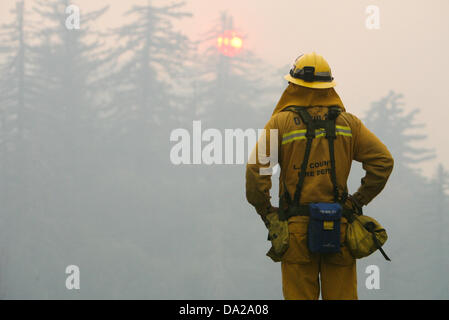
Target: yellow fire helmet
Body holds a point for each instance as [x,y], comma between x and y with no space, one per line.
[312,71]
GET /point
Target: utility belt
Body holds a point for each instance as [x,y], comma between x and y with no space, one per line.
[364,234]
[323,234]
[303,210]
[293,211]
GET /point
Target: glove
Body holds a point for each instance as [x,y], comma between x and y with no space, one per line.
[353,204]
[278,235]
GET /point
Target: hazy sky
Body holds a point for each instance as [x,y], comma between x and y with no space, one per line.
[408,54]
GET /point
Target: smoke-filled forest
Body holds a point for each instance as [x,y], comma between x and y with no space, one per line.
[86,177]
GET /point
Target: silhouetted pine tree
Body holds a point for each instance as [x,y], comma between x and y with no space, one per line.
[15,97]
[153,56]
[230,90]
[48,123]
[16,92]
[387,117]
[68,62]
[228,93]
[407,207]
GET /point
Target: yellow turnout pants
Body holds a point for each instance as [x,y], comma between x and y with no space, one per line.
[305,273]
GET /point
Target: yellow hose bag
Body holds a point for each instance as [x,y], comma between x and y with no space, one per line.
[364,235]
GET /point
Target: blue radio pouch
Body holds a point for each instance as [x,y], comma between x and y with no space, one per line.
[324,227]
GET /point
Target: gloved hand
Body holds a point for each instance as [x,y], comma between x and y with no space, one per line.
[278,235]
[353,204]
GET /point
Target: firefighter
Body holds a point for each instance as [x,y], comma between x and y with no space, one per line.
[315,161]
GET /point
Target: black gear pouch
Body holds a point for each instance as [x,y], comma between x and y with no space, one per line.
[323,234]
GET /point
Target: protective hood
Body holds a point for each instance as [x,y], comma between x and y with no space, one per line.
[307,97]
